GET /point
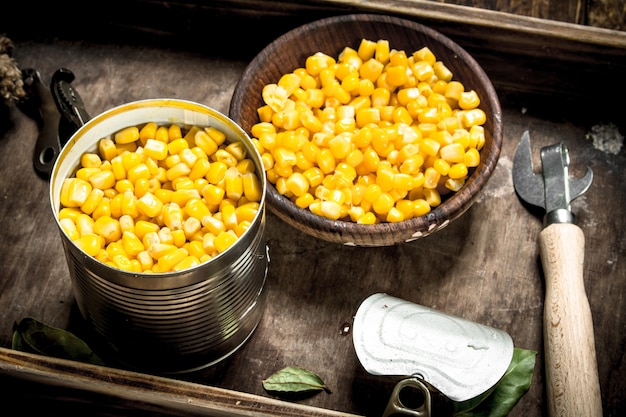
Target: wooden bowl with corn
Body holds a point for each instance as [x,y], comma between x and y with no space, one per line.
[373,130]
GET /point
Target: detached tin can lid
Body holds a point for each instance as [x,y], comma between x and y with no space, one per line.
[460,358]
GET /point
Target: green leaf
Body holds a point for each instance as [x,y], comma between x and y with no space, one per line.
[33,336]
[294,379]
[500,400]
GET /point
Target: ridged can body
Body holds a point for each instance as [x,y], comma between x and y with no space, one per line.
[177,321]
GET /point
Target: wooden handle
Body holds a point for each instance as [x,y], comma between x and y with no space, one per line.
[572,382]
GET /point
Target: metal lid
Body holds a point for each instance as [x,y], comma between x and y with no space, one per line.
[460,358]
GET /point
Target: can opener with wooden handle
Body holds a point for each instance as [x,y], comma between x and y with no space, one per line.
[570,359]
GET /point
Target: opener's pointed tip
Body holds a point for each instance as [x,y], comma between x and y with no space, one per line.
[527,185]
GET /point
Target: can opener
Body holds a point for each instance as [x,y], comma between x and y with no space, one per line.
[427,349]
[59,112]
[570,358]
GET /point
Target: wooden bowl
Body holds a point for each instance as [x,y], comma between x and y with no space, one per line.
[330,36]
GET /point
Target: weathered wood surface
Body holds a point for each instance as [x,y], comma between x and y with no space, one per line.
[484,267]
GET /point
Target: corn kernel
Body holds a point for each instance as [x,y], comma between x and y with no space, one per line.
[127,135]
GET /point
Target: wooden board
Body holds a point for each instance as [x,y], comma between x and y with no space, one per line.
[484,268]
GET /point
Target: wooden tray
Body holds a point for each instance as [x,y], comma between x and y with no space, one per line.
[554,79]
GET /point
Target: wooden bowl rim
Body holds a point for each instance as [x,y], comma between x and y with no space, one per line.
[448,210]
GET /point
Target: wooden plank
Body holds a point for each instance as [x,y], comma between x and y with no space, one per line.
[71,386]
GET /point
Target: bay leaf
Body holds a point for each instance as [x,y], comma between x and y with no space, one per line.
[31,335]
[294,379]
[500,400]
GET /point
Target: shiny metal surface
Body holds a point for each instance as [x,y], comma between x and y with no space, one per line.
[460,358]
[177,321]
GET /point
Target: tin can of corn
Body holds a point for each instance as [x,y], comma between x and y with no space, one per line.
[167,322]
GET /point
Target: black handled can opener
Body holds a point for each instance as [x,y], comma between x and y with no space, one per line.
[59,112]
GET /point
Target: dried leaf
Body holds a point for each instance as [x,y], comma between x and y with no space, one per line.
[294,379]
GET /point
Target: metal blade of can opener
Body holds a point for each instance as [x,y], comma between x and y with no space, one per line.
[572,385]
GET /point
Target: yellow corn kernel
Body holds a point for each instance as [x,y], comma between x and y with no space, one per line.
[421,207]
[74,192]
[432,196]
[326,161]
[84,224]
[178,237]
[143,227]
[127,135]
[233,184]
[117,167]
[90,160]
[371,70]
[132,244]
[188,262]
[167,262]
[149,205]
[142,186]
[315,63]
[458,171]
[206,142]
[145,260]
[453,184]
[252,187]
[92,201]
[329,209]
[172,216]
[305,200]
[394,215]
[429,147]
[224,240]
[195,207]
[129,204]
[124,185]
[213,194]
[156,149]
[453,152]
[441,166]
[108,228]
[471,158]
[247,212]
[453,90]
[163,194]
[368,218]
[423,70]
[213,225]
[165,236]
[246,166]
[148,131]
[383,203]
[127,223]
[71,213]
[431,178]
[473,117]
[174,132]
[102,180]
[137,172]
[216,172]
[107,149]
[297,184]
[469,100]
[89,243]
[178,170]
[103,209]
[367,49]
[69,227]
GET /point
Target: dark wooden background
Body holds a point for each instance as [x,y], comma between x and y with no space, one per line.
[555,66]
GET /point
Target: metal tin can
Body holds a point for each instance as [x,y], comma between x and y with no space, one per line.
[177,321]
